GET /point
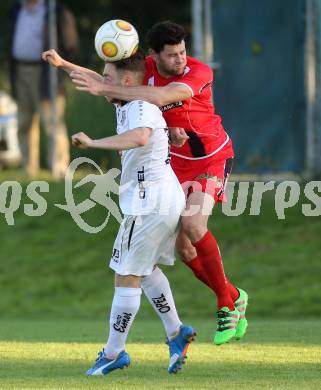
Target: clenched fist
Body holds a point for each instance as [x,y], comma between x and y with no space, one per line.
[53,58]
[81,140]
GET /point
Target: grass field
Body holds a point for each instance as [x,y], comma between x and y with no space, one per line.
[49,267]
[54,282]
[43,354]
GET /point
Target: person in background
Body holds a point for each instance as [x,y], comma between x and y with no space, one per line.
[29,76]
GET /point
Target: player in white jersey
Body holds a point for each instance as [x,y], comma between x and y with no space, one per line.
[151,200]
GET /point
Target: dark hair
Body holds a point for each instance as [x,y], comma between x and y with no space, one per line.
[135,63]
[165,33]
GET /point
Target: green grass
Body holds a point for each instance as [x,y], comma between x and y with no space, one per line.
[54,282]
[43,354]
[49,267]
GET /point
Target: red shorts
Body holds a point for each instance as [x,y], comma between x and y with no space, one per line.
[207,175]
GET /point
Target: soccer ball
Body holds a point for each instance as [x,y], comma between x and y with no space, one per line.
[116,40]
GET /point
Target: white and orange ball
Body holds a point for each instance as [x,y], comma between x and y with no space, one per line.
[116,40]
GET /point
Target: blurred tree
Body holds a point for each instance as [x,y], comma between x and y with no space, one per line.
[142,14]
[91,14]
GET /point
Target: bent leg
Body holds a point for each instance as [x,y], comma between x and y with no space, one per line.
[208,266]
[28,117]
[188,255]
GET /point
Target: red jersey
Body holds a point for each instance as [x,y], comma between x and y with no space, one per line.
[196,115]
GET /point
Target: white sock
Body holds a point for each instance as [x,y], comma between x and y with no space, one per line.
[123,311]
[158,291]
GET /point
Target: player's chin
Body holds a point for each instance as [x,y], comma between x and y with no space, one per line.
[179,70]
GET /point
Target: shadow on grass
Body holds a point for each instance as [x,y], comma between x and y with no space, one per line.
[68,374]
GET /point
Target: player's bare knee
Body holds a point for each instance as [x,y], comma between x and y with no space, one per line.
[130,281]
[193,230]
[186,253]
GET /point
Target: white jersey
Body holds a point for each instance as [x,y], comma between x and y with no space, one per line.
[148,183]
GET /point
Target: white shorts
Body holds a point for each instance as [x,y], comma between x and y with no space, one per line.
[144,241]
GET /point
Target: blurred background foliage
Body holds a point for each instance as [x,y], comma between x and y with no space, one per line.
[84,112]
[91,14]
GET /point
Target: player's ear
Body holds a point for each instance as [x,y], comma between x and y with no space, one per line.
[127,79]
[152,53]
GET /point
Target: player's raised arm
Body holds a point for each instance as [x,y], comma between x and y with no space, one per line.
[54,59]
[131,139]
[159,96]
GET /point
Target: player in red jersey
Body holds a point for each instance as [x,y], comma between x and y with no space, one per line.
[182,87]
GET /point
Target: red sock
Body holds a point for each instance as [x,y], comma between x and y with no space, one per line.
[196,266]
[234,292]
[210,257]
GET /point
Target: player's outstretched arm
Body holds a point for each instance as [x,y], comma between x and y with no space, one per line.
[129,140]
[159,96]
[54,59]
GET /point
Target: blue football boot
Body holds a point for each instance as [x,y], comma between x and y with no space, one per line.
[178,347]
[104,366]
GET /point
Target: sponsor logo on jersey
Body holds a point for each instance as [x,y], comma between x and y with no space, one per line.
[123,118]
[161,304]
[168,159]
[115,256]
[122,322]
[170,106]
[141,179]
